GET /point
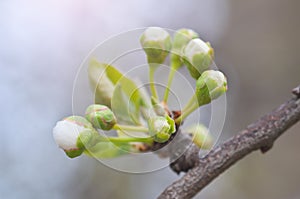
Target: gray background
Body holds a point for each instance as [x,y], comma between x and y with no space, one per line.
[42,44]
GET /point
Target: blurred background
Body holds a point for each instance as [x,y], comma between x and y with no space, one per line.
[43,43]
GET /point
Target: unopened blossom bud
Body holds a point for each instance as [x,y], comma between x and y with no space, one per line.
[72,133]
[181,39]
[161,128]
[210,85]
[201,136]
[100,116]
[156,43]
[198,56]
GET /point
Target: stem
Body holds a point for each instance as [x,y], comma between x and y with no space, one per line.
[130,139]
[130,128]
[186,113]
[191,102]
[170,79]
[151,79]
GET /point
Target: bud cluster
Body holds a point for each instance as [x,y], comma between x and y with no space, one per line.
[133,111]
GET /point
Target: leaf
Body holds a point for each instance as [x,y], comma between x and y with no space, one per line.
[100,83]
[145,99]
[125,111]
[145,104]
[171,122]
[104,77]
[108,150]
[128,86]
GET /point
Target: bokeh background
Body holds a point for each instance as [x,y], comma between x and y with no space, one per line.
[42,44]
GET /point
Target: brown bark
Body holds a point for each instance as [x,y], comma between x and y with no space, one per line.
[259,135]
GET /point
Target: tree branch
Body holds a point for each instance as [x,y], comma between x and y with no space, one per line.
[257,136]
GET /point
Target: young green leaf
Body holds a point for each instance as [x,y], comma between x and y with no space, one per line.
[108,150]
[128,86]
[100,83]
[125,111]
[104,77]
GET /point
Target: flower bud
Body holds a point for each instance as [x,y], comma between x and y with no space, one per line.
[201,136]
[198,56]
[156,43]
[210,85]
[100,116]
[181,39]
[161,128]
[71,134]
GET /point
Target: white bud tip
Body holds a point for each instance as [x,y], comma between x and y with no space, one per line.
[197,45]
[65,134]
[156,33]
[161,125]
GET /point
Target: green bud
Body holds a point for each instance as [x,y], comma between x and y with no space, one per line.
[72,134]
[201,136]
[100,116]
[181,39]
[81,121]
[156,43]
[198,56]
[161,128]
[210,85]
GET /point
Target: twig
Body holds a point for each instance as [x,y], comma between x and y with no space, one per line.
[258,136]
